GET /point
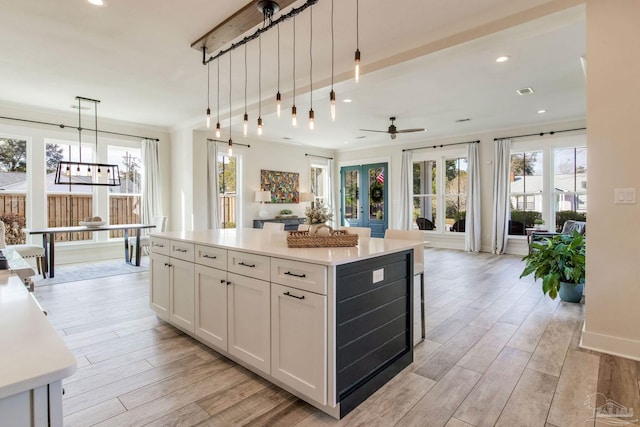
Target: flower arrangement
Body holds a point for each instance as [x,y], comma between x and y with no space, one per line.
[319,214]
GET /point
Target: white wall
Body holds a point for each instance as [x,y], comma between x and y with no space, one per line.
[37,135]
[612,290]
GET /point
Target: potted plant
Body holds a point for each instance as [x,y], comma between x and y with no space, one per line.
[560,262]
[538,223]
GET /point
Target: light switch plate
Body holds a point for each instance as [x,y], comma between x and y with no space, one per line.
[624,196]
[378,275]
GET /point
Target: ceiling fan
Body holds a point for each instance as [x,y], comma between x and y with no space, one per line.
[393,131]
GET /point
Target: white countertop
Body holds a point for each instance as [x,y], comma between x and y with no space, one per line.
[32,353]
[264,242]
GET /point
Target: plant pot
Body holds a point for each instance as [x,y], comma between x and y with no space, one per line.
[570,292]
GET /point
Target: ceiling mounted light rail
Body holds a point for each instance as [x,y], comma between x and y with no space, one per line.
[87,173]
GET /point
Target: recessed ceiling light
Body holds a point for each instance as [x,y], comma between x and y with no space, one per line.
[502,59]
[346,142]
[96,2]
[525,91]
[347,100]
[542,111]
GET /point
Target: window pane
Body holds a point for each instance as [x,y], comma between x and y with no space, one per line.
[227,170]
[68,204]
[424,212]
[526,176]
[351,194]
[125,200]
[570,185]
[424,177]
[13,182]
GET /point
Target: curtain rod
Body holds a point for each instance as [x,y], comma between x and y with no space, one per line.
[62,126]
[321,157]
[226,142]
[441,145]
[539,134]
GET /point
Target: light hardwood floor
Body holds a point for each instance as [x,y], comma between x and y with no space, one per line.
[497,353]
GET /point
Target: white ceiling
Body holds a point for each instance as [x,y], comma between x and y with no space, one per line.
[427,62]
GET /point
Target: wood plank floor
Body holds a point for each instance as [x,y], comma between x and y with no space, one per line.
[497,353]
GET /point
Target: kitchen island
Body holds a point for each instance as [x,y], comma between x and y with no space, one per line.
[33,361]
[330,325]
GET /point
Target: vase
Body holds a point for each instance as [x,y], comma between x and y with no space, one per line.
[570,292]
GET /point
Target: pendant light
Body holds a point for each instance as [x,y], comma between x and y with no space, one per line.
[259,86]
[245,125]
[230,140]
[332,94]
[218,130]
[278,96]
[357,40]
[208,97]
[294,119]
[311,114]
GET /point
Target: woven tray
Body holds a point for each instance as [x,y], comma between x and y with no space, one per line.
[336,238]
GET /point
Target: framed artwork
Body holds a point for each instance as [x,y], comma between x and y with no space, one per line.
[283,185]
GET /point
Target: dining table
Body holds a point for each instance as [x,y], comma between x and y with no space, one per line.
[48,239]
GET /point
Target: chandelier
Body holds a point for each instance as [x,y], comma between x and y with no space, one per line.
[87,173]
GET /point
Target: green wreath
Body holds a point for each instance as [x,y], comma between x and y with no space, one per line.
[376,194]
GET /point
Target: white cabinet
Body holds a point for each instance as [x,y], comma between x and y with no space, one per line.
[299,340]
[182,294]
[249,321]
[172,290]
[211,306]
[159,284]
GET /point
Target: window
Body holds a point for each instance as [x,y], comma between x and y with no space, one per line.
[570,185]
[228,196]
[320,182]
[526,190]
[13,183]
[125,200]
[439,193]
[68,204]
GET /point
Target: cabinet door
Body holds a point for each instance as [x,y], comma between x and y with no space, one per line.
[299,340]
[159,285]
[211,306]
[249,329]
[182,301]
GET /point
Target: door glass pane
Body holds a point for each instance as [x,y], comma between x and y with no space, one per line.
[351,194]
[376,194]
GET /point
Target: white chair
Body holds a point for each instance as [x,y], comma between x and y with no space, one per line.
[360,231]
[418,262]
[161,225]
[26,251]
[273,226]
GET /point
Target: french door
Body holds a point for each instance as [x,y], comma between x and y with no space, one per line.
[363,194]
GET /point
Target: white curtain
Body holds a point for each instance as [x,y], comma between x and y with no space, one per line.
[213,187]
[330,201]
[472,239]
[406,181]
[151,196]
[502,162]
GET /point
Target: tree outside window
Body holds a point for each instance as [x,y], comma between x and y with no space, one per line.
[227,191]
[13,183]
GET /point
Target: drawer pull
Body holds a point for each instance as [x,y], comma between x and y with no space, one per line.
[158,245]
[168,265]
[228,283]
[209,256]
[184,251]
[222,281]
[246,265]
[293,296]
[302,276]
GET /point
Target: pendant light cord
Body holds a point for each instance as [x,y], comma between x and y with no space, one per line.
[358,24]
[230,80]
[79,134]
[294,60]
[208,80]
[259,76]
[311,56]
[218,90]
[332,46]
[278,27]
[245,78]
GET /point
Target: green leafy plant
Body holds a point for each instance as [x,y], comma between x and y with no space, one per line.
[286,212]
[560,258]
[538,221]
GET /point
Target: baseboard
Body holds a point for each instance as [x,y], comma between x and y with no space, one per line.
[616,346]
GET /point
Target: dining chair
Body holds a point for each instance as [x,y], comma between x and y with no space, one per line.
[26,251]
[161,225]
[418,262]
[360,231]
[273,226]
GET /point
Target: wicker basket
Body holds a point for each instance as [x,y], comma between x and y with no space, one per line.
[336,238]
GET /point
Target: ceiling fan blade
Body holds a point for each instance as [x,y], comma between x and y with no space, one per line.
[410,130]
[372,130]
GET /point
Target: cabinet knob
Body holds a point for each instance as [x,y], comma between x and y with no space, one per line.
[222,280]
[228,283]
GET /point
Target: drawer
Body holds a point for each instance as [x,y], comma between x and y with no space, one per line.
[251,265]
[182,250]
[211,257]
[301,275]
[159,246]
